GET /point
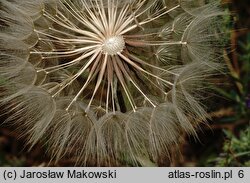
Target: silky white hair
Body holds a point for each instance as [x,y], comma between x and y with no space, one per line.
[107,82]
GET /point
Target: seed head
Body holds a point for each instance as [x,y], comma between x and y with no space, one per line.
[113,45]
[107,82]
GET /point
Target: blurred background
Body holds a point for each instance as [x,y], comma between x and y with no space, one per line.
[225,142]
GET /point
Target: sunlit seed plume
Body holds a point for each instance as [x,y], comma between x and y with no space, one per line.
[107,82]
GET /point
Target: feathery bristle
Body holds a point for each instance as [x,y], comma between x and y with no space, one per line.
[107,81]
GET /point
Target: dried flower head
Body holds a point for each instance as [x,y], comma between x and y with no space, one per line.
[107,81]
